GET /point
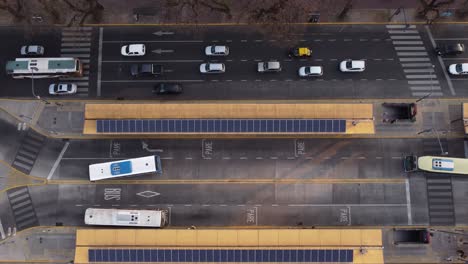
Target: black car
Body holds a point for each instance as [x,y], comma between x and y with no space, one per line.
[167,88]
[450,49]
[147,69]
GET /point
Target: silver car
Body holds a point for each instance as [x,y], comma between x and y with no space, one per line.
[32,50]
[217,51]
[62,88]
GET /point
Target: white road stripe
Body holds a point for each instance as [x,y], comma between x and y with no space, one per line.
[68,39]
[79,55]
[76,44]
[405,37]
[401,26]
[150,81]
[422,64]
[75,49]
[148,61]
[419,70]
[407,42]
[408,202]
[424,82]
[410,48]
[403,32]
[153,41]
[414,59]
[412,53]
[59,158]
[424,88]
[421,76]
[432,94]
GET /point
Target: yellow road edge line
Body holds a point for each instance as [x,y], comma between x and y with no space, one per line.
[236,181]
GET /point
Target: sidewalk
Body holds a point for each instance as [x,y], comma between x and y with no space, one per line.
[232,12]
[66,120]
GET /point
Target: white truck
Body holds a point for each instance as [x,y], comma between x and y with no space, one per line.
[125,217]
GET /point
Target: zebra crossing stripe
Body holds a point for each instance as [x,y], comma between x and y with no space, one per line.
[421,76]
[418,70]
[410,48]
[407,42]
[424,88]
[403,31]
[405,37]
[401,26]
[422,64]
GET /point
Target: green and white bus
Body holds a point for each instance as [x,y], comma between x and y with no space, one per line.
[22,68]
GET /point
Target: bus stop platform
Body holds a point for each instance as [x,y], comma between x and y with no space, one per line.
[229,245]
[246,119]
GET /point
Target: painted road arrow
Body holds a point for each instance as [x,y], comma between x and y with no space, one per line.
[162,33]
[159,51]
[148,194]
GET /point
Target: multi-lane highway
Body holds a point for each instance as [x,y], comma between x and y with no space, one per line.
[400,61]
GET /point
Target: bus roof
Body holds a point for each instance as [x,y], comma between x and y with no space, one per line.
[25,64]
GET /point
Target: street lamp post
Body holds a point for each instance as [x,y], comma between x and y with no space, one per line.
[32,86]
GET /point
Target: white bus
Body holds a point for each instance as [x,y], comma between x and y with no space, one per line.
[123,217]
[22,68]
[121,168]
[436,164]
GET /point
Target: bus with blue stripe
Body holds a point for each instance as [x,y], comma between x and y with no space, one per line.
[437,164]
[123,168]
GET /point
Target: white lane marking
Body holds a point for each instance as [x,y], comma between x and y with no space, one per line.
[343,205]
[425,93]
[59,158]
[149,81]
[405,37]
[152,41]
[412,53]
[148,61]
[410,48]
[403,42]
[401,26]
[2,230]
[408,202]
[421,76]
[418,70]
[424,88]
[414,59]
[422,64]
[423,82]
[403,31]
[449,81]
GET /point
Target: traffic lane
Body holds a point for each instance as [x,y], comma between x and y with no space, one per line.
[451,31]
[260,49]
[459,82]
[247,159]
[242,32]
[377,69]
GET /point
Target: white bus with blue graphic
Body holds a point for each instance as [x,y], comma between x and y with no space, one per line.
[122,168]
[436,164]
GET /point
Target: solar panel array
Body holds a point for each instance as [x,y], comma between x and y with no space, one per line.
[221,126]
[220,255]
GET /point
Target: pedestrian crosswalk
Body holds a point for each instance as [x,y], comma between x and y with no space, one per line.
[440,199]
[76,42]
[22,207]
[28,151]
[414,58]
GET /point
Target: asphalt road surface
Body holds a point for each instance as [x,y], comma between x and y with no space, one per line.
[310,182]
[400,61]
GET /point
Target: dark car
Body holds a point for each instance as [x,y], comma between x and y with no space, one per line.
[450,49]
[167,88]
[146,69]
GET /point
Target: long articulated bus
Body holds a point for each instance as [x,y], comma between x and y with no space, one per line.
[123,217]
[436,164]
[122,168]
[22,68]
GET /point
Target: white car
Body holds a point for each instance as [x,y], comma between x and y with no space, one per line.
[62,88]
[212,68]
[133,50]
[458,69]
[269,66]
[306,71]
[217,51]
[352,66]
[32,50]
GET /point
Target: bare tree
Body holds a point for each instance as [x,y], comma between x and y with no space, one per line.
[190,11]
[430,9]
[462,11]
[52,8]
[15,8]
[83,9]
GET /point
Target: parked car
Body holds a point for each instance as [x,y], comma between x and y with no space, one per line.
[306,71]
[167,88]
[458,69]
[217,50]
[411,236]
[269,66]
[62,88]
[146,69]
[450,49]
[133,50]
[212,68]
[352,66]
[32,50]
